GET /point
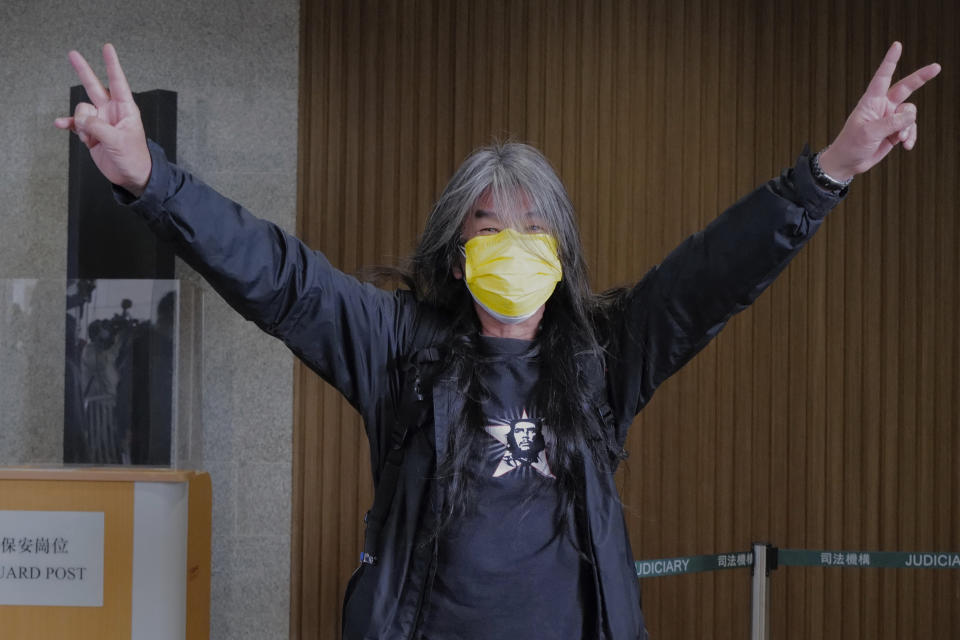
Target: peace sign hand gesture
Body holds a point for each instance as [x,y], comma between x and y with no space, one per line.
[879,122]
[111,126]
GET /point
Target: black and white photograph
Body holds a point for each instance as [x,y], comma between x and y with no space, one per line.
[120,364]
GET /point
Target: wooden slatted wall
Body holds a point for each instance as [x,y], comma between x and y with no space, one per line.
[824,417]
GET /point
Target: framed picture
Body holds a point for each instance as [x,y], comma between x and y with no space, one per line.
[120,371]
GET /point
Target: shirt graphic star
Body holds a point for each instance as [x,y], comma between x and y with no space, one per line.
[524,444]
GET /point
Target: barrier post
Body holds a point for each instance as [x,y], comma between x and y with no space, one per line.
[764,561]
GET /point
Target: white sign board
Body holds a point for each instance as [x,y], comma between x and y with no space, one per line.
[51,558]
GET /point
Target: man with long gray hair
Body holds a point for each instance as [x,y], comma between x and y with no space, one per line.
[497,341]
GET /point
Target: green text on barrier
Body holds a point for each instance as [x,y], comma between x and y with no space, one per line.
[799,558]
[693,564]
[878,559]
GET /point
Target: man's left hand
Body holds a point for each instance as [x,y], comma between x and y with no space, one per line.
[881,120]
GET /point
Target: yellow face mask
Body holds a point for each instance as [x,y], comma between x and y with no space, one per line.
[512,274]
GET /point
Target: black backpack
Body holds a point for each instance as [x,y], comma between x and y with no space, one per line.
[419,370]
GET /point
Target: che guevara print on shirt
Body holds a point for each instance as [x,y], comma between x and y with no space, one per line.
[520,444]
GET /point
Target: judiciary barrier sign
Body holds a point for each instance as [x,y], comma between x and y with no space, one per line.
[868,559]
[659,567]
[765,558]
[693,564]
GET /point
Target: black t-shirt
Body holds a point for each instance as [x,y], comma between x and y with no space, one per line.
[504,571]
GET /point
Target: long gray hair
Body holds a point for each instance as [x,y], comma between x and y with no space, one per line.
[510,173]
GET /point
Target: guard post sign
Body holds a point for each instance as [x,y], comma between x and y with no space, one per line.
[51,558]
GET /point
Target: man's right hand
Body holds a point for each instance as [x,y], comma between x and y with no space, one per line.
[111,126]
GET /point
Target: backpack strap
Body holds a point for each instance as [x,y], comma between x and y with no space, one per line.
[418,369]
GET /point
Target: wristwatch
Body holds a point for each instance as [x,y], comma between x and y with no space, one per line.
[824,180]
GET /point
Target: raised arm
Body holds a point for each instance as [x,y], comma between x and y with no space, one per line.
[346,331]
[682,304]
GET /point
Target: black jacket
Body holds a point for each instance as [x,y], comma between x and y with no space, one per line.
[357,338]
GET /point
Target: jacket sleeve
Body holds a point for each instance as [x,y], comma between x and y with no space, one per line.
[344,330]
[658,325]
